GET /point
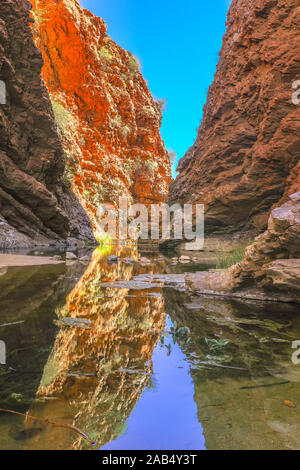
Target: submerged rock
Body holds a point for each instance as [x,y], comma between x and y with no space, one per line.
[176,281]
[24,260]
[112,259]
[284,275]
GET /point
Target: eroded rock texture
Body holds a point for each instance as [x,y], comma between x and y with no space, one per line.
[271,266]
[109,121]
[31,157]
[246,155]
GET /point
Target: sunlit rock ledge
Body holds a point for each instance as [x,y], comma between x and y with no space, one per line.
[270,269]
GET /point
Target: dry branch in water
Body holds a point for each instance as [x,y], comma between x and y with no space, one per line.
[52,423]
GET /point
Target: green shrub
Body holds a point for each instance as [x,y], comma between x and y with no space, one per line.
[63,117]
[133,65]
[162,104]
[226,260]
[104,53]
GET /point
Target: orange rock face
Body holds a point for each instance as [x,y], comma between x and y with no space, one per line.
[108,119]
[246,156]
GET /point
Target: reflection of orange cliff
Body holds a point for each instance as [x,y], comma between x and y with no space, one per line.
[118,334]
[109,121]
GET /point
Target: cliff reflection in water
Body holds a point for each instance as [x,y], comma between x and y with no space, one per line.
[101,360]
[247,393]
[97,363]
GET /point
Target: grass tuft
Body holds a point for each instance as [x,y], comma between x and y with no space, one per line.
[134,66]
[63,117]
[226,260]
[104,53]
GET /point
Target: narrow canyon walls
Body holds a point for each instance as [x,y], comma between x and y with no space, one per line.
[107,117]
[246,155]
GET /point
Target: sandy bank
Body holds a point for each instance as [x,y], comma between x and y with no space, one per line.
[7,261]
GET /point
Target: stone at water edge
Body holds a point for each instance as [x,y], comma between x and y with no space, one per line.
[57,258]
[270,269]
[112,259]
[144,260]
[85,258]
[284,275]
[184,259]
[70,256]
[129,260]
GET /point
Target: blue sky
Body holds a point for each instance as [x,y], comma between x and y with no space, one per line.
[177,43]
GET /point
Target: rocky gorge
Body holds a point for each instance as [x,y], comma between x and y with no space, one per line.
[88,131]
[245,161]
[115,344]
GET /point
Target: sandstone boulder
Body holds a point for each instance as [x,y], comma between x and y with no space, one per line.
[270,269]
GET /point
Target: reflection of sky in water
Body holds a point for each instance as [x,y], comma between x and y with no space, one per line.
[238,409]
[165,418]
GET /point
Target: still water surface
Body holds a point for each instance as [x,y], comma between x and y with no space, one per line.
[142,368]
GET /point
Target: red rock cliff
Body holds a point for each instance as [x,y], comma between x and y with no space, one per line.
[31,156]
[246,155]
[32,161]
[108,119]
